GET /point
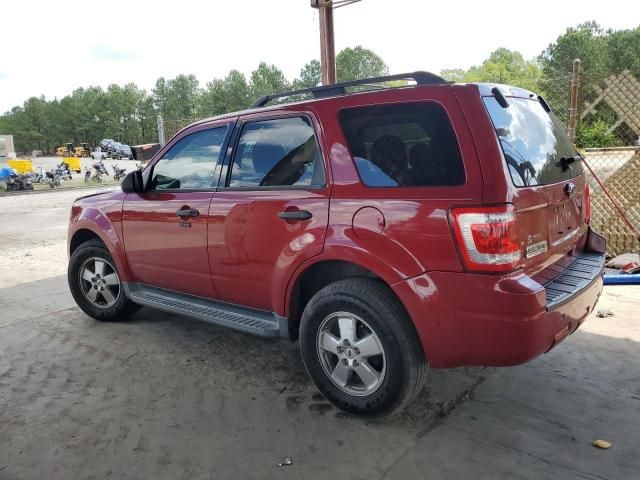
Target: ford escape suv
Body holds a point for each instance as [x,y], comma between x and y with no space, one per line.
[387,228]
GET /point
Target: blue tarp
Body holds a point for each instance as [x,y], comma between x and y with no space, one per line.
[6,172]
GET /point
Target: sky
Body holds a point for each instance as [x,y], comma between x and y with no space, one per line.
[52,47]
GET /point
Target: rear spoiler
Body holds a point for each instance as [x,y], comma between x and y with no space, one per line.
[144,152]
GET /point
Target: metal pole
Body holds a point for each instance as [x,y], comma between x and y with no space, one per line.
[573,101]
[160,131]
[327,45]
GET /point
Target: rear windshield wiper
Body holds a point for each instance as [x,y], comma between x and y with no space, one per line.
[565,162]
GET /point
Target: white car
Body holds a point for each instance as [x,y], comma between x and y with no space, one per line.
[98,154]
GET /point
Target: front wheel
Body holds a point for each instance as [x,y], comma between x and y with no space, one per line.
[95,284]
[361,349]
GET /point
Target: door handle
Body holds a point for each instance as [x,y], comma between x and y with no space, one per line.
[295,215]
[187,212]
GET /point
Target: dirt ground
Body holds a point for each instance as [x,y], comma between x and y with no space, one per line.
[166,397]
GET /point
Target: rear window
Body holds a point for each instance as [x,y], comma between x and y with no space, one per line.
[535,146]
[406,145]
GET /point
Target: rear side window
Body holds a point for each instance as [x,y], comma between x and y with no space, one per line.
[406,145]
[281,152]
[535,146]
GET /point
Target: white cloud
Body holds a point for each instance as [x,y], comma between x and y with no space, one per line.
[138,41]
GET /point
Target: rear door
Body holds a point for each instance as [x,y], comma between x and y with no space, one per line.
[165,227]
[271,210]
[548,181]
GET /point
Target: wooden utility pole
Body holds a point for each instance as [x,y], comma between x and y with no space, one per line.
[573,101]
[327,49]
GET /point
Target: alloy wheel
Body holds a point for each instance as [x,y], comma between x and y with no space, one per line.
[351,354]
[99,282]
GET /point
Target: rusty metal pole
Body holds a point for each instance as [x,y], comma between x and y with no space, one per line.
[573,101]
[327,48]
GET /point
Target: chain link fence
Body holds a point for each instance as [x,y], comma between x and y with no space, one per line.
[556,91]
[167,128]
[608,134]
[603,117]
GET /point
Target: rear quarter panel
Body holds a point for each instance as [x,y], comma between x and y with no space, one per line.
[413,235]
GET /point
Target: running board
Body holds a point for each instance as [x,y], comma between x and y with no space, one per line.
[248,320]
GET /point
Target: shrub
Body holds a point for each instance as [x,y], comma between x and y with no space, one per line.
[594,135]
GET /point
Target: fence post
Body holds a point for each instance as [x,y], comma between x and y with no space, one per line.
[573,101]
[160,131]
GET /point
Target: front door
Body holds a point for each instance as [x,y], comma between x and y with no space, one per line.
[165,227]
[271,212]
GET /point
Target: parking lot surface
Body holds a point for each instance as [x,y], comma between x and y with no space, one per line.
[166,397]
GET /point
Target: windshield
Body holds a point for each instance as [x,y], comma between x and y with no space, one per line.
[535,145]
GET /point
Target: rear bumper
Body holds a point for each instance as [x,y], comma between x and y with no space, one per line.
[466,319]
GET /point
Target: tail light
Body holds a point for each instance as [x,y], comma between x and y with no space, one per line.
[487,237]
[586,200]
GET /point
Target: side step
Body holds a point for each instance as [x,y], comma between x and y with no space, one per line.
[256,322]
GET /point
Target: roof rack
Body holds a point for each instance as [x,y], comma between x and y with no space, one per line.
[421,78]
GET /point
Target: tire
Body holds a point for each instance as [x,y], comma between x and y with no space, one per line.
[84,258]
[373,308]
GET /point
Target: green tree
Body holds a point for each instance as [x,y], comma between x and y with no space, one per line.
[453,74]
[229,94]
[267,79]
[356,63]
[177,98]
[588,42]
[624,51]
[503,66]
[310,75]
[602,53]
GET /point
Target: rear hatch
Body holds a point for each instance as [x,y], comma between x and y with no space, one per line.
[549,185]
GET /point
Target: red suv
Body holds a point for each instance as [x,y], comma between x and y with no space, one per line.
[388,228]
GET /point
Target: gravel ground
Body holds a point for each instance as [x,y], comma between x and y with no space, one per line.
[163,396]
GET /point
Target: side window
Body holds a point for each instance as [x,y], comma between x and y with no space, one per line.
[279,152]
[405,145]
[190,163]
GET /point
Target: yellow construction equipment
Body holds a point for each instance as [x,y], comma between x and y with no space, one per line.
[82,151]
[66,151]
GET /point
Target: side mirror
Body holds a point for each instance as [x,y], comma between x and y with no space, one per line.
[132,183]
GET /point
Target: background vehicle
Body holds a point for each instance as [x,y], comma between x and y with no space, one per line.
[53,178]
[353,222]
[145,152]
[98,154]
[118,173]
[6,146]
[82,151]
[38,176]
[66,151]
[64,171]
[125,152]
[99,170]
[104,144]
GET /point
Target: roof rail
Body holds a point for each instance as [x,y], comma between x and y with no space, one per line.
[421,78]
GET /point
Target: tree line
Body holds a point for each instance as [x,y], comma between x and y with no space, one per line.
[128,113]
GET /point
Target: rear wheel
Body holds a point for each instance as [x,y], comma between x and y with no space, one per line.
[95,284]
[360,348]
